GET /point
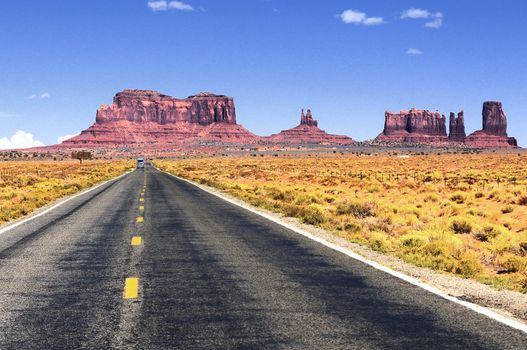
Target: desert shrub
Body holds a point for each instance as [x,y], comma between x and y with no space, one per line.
[461,226]
[434,249]
[494,195]
[431,198]
[357,209]
[479,195]
[458,197]
[522,200]
[468,264]
[513,263]
[306,199]
[352,227]
[312,215]
[506,241]
[291,210]
[508,209]
[379,241]
[488,232]
[411,240]
[378,224]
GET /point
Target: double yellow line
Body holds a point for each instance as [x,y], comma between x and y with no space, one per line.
[131,284]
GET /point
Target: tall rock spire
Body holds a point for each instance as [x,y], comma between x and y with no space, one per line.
[457,127]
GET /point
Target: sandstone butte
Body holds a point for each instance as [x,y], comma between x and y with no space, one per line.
[308,132]
[422,126]
[153,120]
[494,132]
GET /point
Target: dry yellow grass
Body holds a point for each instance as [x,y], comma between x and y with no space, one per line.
[462,214]
[28,185]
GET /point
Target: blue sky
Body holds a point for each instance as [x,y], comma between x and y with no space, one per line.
[347,60]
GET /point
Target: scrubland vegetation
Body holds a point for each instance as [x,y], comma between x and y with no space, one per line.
[462,214]
[26,186]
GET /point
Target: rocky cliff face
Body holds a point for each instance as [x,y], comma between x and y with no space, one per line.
[150,106]
[457,127]
[414,126]
[308,132]
[494,132]
[494,119]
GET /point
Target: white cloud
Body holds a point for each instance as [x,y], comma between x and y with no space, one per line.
[61,139]
[19,139]
[163,5]
[437,22]
[413,51]
[180,5]
[372,21]
[359,18]
[158,5]
[42,96]
[436,19]
[7,115]
[414,13]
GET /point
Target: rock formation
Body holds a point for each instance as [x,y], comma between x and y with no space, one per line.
[422,126]
[414,126]
[148,117]
[457,127]
[308,132]
[150,106]
[494,132]
[307,119]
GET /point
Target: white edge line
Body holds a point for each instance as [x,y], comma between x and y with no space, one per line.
[61,202]
[474,307]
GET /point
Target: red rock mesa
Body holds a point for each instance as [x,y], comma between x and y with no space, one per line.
[414,126]
[148,117]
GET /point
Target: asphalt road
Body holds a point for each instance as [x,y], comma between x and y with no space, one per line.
[211,275]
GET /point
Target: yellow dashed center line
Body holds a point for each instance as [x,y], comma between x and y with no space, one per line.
[136,240]
[141,207]
[140,219]
[141,199]
[131,288]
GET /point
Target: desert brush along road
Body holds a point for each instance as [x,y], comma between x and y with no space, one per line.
[148,261]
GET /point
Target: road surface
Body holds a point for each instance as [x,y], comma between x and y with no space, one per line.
[210,275]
